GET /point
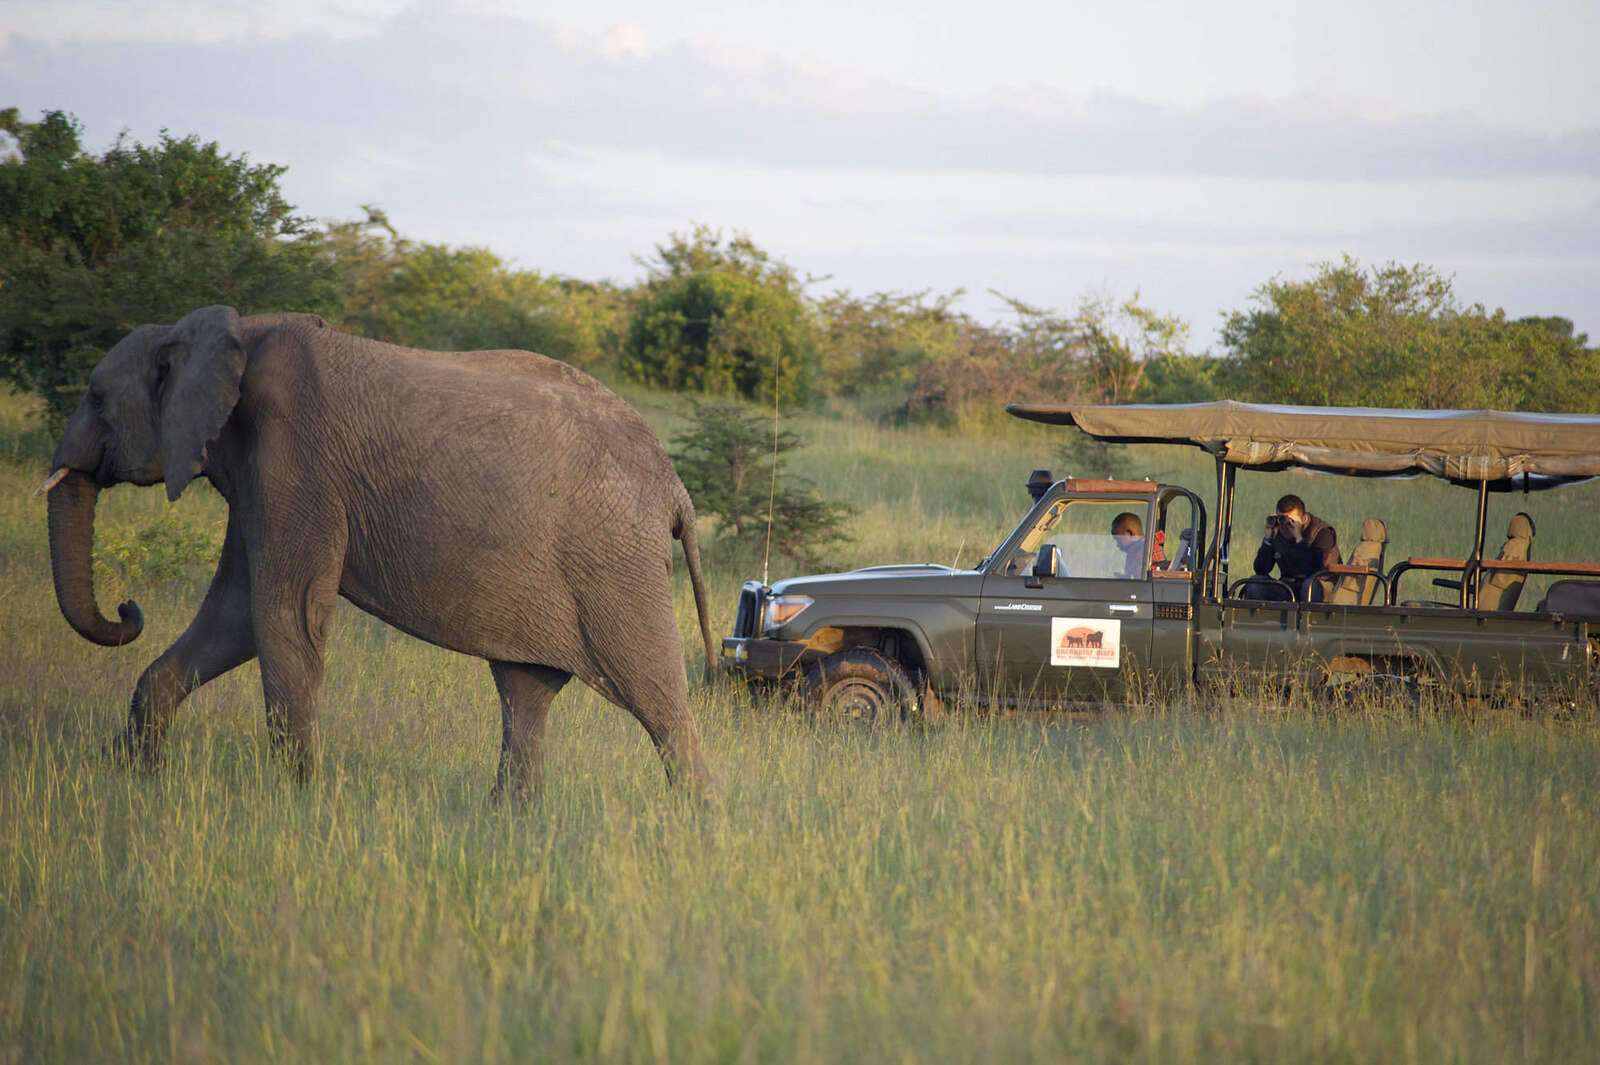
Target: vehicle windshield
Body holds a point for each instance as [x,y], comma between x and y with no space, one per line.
[1096,538]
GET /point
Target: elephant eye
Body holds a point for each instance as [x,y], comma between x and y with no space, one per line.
[161,375]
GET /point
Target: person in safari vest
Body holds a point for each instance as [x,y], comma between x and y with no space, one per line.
[1299,544]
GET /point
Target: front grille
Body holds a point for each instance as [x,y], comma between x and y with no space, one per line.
[1174,611]
[749,616]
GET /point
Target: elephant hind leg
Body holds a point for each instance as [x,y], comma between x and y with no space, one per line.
[526,692]
[654,689]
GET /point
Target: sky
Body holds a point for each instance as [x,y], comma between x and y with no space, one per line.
[1043,151]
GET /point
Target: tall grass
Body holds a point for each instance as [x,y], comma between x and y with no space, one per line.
[1250,878]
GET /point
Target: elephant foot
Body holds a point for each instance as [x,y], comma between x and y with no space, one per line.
[513,794]
[118,751]
[696,791]
[295,754]
[126,751]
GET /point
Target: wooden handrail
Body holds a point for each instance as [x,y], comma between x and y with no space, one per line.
[1470,569]
[1392,579]
[1173,574]
[1575,568]
[1143,488]
[1510,564]
[1350,569]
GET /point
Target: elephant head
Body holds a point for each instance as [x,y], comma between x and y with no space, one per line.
[154,403]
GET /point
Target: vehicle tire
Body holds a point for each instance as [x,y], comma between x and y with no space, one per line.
[858,686]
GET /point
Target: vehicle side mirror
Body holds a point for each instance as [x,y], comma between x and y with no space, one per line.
[1047,563]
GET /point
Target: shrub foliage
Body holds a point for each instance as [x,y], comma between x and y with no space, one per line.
[719,316]
[91,246]
[732,462]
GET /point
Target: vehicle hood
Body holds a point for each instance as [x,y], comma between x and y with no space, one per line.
[917,579]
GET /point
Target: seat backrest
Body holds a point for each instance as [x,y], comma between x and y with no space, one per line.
[1183,557]
[1500,590]
[1369,553]
[1572,597]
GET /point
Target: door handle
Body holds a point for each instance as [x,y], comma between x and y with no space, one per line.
[1123,608]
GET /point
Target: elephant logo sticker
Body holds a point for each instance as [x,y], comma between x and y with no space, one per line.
[1094,642]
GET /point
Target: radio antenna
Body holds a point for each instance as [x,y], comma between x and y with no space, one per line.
[772,491]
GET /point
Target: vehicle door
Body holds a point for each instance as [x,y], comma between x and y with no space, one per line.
[1080,634]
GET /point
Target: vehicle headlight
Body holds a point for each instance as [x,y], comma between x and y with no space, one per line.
[782,608]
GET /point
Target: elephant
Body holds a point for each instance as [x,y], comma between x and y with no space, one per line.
[498,503]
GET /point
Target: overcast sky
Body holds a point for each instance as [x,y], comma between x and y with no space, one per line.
[1045,150]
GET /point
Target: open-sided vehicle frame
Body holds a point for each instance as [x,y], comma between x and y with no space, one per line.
[1045,621]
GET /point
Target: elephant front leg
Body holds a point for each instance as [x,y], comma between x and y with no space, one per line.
[526,692]
[220,638]
[291,625]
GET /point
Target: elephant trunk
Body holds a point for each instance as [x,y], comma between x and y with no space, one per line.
[72,502]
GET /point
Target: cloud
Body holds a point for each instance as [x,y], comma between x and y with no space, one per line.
[570,152]
[492,80]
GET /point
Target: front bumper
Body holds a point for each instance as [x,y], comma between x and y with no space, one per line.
[760,659]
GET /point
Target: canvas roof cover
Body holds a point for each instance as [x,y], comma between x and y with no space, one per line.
[1460,445]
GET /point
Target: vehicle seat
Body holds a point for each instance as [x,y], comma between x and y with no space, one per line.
[1183,558]
[1500,591]
[1354,590]
[1572,597]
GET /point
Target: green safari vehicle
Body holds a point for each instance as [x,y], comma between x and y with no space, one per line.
[1064,613]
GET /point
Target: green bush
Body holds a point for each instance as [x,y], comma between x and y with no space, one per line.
[732,463]
[128,557]
[1395,336]
[721,318]
[91,246]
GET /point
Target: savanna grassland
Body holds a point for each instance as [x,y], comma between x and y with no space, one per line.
[1260,878]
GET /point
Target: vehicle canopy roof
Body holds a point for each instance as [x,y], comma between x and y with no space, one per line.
[1490,448]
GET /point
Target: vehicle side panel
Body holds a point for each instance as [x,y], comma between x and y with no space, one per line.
[1468,651]
[1018,626]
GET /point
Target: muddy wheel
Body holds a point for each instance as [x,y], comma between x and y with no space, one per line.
[859,686]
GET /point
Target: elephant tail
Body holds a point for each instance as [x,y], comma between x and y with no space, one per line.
[683,530]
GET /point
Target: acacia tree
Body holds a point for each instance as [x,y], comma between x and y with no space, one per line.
[1103,352]
[875,345]
[731,461]
[91,246]
[463,298]
[1395,336]
[720,316]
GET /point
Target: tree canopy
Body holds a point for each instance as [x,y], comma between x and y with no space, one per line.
[91,246]
[732,462]
[463,298]
[1103,352]
[719,316]
[1395,336]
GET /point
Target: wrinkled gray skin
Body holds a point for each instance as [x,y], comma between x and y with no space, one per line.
[497,503]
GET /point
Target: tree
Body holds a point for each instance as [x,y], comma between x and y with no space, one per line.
[731,461]
[92,246]
[463,298]
[1100,353]
[1395,336]
[721,317]
[1177,377]
[876,345]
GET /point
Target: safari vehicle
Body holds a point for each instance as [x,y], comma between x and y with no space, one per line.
[1064,612]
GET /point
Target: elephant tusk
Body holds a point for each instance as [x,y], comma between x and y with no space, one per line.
[53,480]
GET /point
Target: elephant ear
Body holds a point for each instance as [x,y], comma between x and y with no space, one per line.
[199,369]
